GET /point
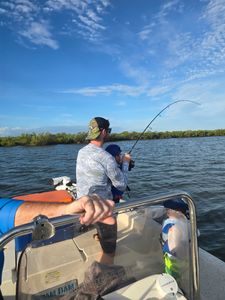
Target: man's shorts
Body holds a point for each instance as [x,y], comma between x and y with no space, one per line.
[107,237]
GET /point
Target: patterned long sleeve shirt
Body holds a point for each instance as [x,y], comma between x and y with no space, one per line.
[97,171]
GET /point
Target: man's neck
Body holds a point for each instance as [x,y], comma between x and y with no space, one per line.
[97,143]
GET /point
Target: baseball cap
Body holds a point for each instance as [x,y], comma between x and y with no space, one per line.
[113,149]
[95,127]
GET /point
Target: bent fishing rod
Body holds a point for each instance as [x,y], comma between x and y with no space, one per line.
[158,114]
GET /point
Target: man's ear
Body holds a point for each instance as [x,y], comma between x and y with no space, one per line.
[104,133]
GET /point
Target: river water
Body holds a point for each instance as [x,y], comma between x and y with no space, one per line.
[193,165]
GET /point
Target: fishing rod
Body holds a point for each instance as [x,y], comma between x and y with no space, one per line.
[140,136]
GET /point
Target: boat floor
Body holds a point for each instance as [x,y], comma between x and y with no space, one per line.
[212,277]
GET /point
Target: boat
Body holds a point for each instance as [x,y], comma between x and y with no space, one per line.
[61,259]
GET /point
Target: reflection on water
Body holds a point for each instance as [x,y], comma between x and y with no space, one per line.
[194,165]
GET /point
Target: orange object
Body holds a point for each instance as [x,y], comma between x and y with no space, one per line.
[52,196]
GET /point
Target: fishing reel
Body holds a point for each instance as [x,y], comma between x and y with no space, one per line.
[131,165]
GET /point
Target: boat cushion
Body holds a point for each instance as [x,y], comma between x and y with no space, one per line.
[8,208]
[62,196]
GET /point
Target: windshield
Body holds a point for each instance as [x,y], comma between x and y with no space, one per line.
[73,265]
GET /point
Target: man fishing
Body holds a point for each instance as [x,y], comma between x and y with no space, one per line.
[96,171]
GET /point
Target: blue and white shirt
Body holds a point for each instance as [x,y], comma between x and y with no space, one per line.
[175,236]
[97,171]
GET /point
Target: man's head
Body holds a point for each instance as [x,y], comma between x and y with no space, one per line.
[96,126]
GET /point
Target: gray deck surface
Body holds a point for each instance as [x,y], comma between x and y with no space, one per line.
[212,277]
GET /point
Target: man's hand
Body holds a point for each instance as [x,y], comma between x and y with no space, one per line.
[93,209]
[126,157]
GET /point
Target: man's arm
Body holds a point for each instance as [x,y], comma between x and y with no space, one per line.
[92,209]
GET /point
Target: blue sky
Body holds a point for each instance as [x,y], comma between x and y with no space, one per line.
[65,61]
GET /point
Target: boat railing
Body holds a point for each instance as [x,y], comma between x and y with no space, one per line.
[44,228]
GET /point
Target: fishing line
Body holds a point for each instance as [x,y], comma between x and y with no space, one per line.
[158,114]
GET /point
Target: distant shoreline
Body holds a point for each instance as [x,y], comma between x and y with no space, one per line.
[46,138]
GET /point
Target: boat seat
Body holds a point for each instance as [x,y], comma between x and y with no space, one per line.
[61,196]
[138,243]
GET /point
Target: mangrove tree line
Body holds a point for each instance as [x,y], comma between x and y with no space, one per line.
[44,139]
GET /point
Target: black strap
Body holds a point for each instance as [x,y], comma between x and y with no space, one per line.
[1,297]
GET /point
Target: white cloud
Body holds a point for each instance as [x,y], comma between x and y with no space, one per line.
[10,131]
[133,69]
[208,93]
[162,51]
[158,90]
[3,11]
[59,5]
[214,12]
[167,8]
[66,115]
[19,11]
[121,103]
[93,16]
[29,19]
[39,34]
[90,23]
[145,32]
[213,42]
[195,51]
[67,127]
[108,90]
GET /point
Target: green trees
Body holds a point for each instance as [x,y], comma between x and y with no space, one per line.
[44,139]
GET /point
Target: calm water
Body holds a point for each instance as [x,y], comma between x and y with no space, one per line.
[194,165]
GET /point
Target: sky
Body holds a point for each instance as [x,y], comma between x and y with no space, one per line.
[63,62]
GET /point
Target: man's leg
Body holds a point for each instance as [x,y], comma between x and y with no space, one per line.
[107,238]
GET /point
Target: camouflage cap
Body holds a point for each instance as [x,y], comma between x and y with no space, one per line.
[95,127]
